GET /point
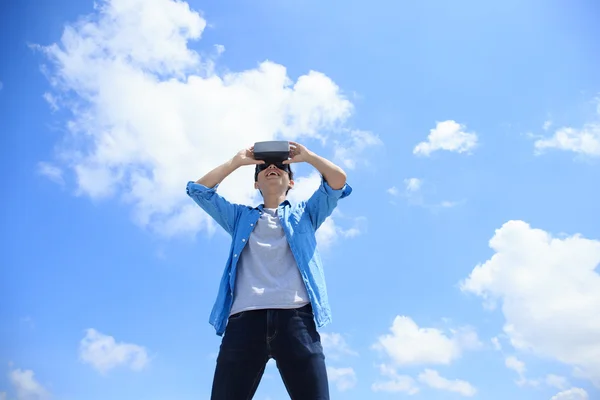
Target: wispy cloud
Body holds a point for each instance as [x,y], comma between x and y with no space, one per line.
[414,195]
[559,382]
[584,140]
[413,184]
[496,343]
[344,378]
[51,100]
[394,382]
[331,229]
[335,346]
[352,152]
[434,380]
[52,172]
[513,363]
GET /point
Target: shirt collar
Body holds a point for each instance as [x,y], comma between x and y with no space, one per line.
[285,203]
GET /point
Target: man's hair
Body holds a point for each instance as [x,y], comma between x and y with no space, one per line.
[290,174]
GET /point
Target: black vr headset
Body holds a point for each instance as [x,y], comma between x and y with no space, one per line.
[271,152]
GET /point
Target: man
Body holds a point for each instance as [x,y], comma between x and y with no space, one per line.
[273,288]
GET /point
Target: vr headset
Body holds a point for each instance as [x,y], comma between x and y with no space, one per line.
[271,152]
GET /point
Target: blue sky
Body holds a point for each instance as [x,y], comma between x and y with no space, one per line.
[464,264]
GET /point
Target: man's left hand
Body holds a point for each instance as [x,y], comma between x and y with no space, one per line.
[298,153]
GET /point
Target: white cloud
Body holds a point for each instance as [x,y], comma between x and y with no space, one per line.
[304,186]
[220,49]
[408,344]
[583,141]
[559,382]
[413,184]
[2,394]
[449,204]
[411,192]
[330,231]
[512,362]
[414,195]
[103,353]
[515,364]
[496,343]
[327,233]
[52,101]
[344,378]
[26,386]
[52,172]
[550,294]
[571,394]
[394,382]
[352,153]
[447,135]
[149,113]
[335,346]
[433,379]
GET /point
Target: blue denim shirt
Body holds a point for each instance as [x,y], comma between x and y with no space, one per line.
[299,222]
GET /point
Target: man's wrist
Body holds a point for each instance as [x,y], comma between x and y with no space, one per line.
[234,164]
[311,157]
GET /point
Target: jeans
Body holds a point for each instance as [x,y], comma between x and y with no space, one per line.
[290,337]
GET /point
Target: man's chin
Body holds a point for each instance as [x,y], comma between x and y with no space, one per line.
[274,189]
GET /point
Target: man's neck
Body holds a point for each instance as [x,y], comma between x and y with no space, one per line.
[273,201]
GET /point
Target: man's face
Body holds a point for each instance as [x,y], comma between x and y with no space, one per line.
[273,178]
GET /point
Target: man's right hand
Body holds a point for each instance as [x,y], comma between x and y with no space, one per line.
[246,157]
[243,157]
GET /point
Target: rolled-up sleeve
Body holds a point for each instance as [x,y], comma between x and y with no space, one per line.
[324,200]
[221,210]
[337,193]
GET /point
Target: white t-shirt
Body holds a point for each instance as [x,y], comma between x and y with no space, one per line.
[267,273]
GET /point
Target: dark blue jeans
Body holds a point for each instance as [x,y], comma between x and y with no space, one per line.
[288,336]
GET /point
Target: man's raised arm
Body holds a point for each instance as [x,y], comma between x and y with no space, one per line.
[322,203]
[216,176]
[203,191]
[333,174]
